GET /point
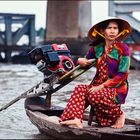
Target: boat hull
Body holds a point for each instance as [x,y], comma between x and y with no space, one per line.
[49,125]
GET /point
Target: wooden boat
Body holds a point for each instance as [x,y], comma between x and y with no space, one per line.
[46,120]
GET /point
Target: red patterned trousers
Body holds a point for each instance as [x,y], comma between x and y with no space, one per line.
[105,108]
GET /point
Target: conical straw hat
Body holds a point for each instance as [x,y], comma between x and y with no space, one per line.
[124,26]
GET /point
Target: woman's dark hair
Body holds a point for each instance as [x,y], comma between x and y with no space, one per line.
[105,24]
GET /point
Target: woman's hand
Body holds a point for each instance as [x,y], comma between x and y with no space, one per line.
[83,62]
[95,88]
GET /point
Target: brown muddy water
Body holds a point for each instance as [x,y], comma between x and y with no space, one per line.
[16,79]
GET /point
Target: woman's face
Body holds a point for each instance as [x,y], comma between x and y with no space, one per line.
[111,31]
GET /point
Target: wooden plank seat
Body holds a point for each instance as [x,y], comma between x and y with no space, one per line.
[91,115]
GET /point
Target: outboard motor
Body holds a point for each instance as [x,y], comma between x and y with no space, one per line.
[52,59]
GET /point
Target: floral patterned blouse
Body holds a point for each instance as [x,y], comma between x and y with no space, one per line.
[117,65]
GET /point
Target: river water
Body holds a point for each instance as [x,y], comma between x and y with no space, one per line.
[16,79]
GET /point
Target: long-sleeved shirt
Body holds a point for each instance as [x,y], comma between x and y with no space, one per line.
[118,63]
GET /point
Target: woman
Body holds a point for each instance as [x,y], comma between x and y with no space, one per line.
[109,88]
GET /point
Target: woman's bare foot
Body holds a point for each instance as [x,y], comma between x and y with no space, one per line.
[119,122]
[73,123]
